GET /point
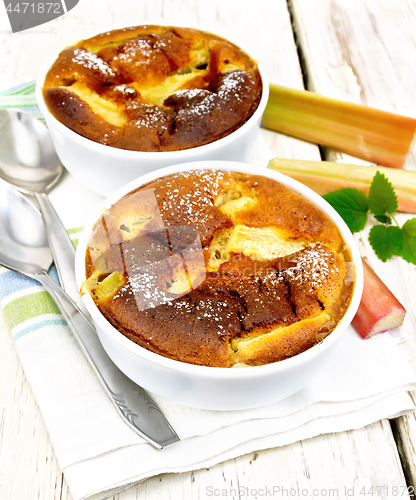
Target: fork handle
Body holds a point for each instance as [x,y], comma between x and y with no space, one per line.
[136,407]
[62,249]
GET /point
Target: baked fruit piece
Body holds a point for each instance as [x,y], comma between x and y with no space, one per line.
[153,88]
[219,268]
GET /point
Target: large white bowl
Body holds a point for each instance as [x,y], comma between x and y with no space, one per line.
[210,387]
[104,169]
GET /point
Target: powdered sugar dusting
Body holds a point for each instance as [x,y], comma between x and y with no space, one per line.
[178,201]
[92,62]
[231,85]
[314,266]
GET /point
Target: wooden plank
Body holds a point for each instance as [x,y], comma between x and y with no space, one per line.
[382,31]
[367,54]
[357,458]
[332,466]
[28,466]
[404,429]
[360,51]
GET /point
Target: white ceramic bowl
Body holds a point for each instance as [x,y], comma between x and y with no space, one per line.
[210,387]
[104,169]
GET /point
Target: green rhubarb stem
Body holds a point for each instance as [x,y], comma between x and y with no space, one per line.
[368,133]
[326,176]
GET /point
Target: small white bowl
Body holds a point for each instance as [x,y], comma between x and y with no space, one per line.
[210,387]
[104,169]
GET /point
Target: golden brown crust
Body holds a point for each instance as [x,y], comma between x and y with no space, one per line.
[241,310]
[153,88]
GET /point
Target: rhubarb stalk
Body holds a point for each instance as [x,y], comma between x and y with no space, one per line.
[368,133]
[326,176]
[379,310]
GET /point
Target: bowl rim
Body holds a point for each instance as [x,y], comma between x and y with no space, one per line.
[221,372]
[125,154]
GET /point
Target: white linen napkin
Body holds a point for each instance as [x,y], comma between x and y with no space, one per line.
[366,381]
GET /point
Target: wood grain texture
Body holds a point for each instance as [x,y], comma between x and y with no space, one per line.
[364,457]
[28,466]
[325,466]
[367,55]
[405,435]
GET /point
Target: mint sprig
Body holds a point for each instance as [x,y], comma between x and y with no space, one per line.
[382,199]
[352,206]
[386,241]
[408,251]
[387,238]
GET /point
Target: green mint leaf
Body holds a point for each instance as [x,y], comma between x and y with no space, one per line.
[352,206]
[382,199]
[386,241]
[409,241]
[384,219]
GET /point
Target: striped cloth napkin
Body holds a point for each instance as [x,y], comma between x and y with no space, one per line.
[99,455]
[22,97]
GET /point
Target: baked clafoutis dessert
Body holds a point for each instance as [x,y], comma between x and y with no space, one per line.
[219,268]
[153,88]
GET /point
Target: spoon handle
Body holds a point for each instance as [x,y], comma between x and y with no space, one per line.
[136,407]
[62,249]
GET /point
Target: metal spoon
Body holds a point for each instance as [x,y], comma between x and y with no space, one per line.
[29,162]
[24,248]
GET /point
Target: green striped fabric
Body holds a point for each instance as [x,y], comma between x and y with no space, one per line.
[21,309]
[22,97]
[26,305]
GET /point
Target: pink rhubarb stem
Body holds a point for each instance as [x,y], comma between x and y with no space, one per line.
[379,309]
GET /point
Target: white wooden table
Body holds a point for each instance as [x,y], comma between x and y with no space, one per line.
[363,51]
